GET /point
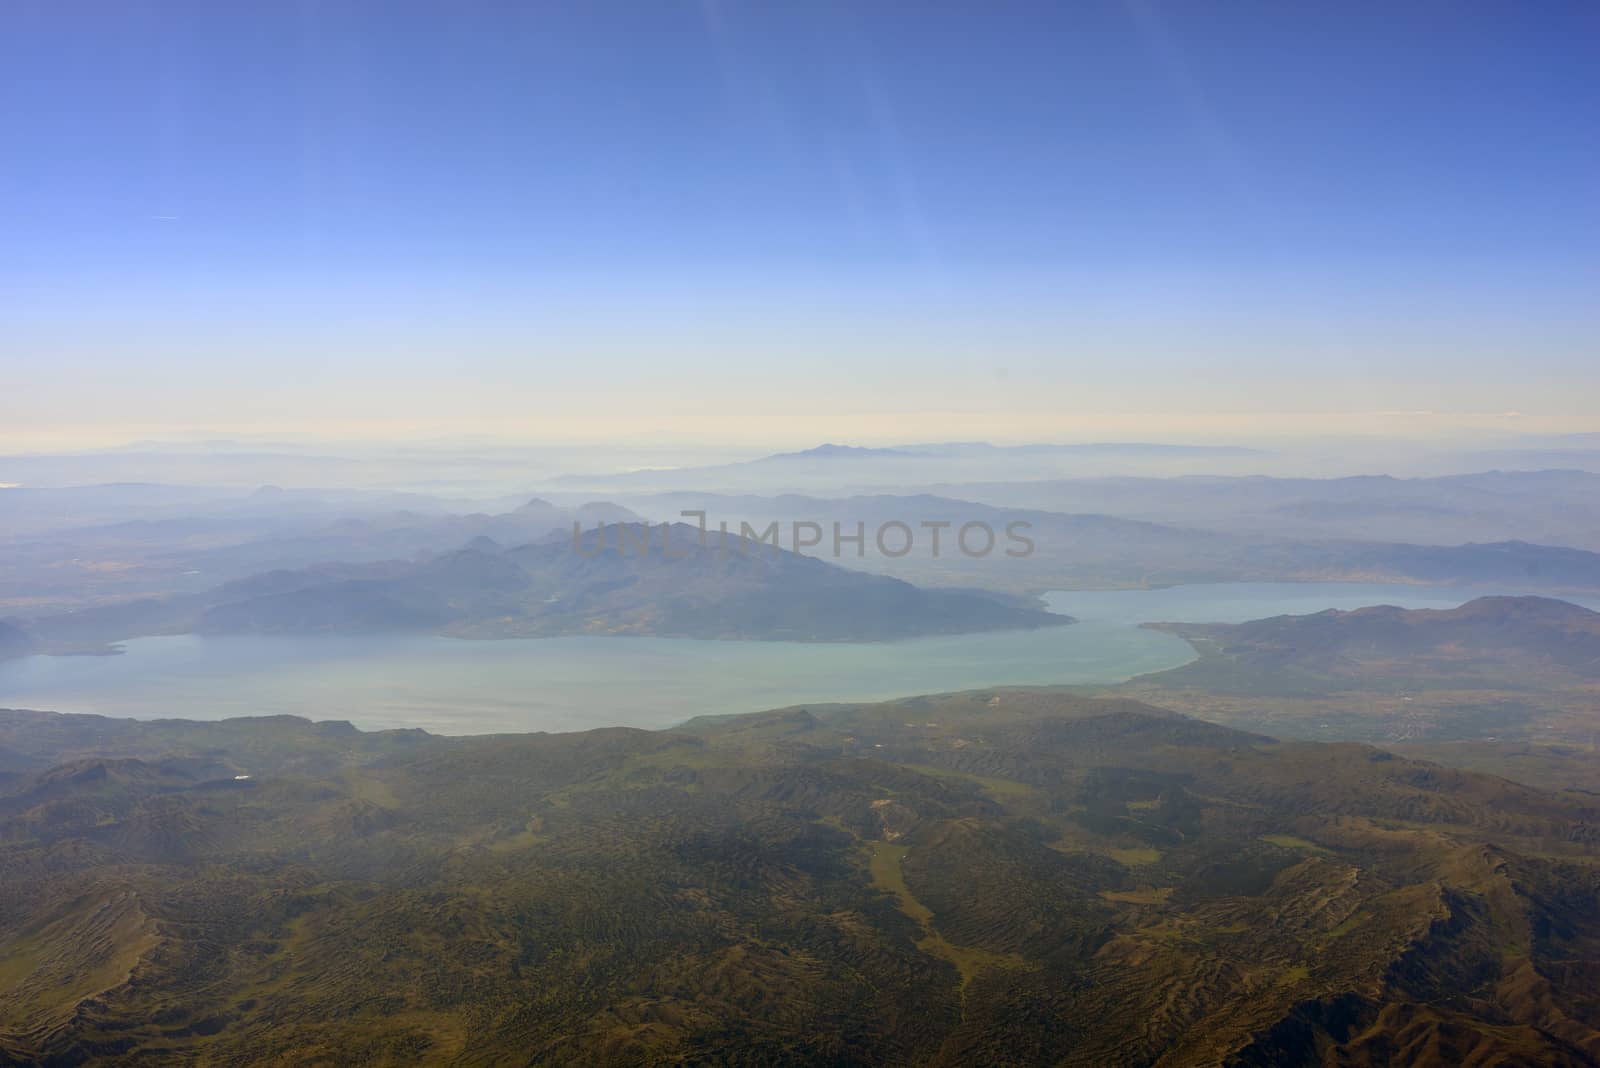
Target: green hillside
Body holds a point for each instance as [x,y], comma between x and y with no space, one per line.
[1008,877]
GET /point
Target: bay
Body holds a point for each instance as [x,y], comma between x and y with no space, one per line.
[451,686]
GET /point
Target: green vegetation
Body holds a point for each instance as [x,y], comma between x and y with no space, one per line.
[1504,685]
[1290,841]
[1001,789]
[1503,643]
[1135,856]
[1017,877]
[968,961]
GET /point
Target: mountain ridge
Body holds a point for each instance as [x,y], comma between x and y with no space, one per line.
[1532,642]
[667,580]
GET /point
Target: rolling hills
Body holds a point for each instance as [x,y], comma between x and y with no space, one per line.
[1509,685]
[1506,642]
[1004,877]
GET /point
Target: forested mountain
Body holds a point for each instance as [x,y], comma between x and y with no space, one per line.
[1006,877]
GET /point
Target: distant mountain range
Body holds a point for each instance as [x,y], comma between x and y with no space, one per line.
[188,545]
[833,467]
[983,449]
[1549,507]
[1096,550]
[678,587]
[836,452]
[391,571]
[188,548]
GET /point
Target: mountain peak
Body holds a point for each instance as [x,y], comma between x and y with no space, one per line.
[829,451]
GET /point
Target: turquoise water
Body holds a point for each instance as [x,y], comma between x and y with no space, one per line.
[560,684]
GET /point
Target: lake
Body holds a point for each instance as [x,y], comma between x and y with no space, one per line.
[450,686]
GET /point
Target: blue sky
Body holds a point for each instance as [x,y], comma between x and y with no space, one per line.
[533,217]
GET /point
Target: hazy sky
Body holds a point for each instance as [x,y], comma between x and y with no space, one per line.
[868,221]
